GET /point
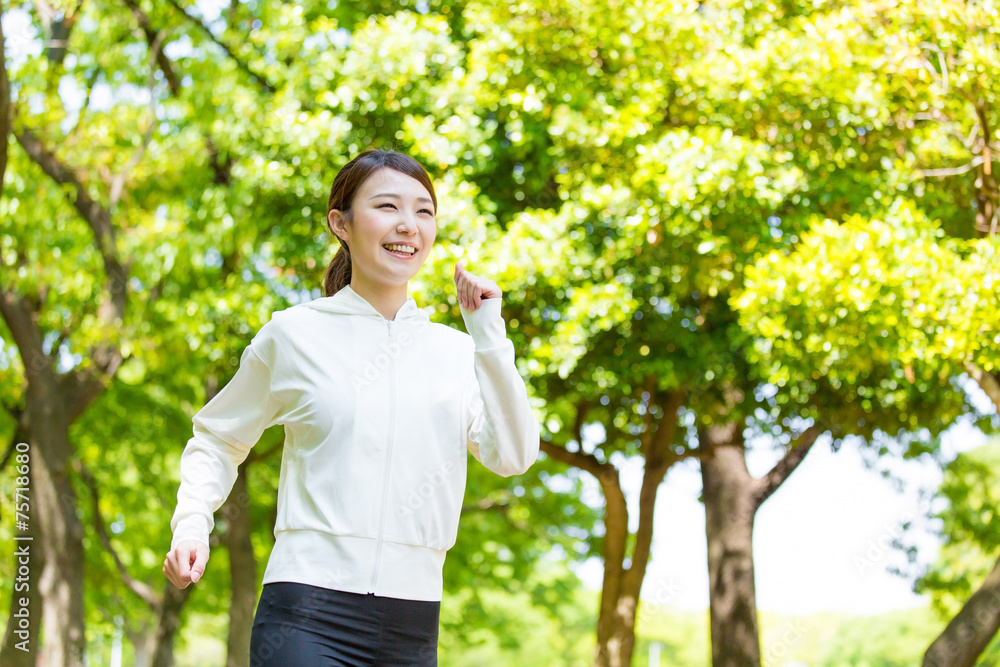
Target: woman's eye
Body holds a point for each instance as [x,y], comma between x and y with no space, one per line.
[423,210]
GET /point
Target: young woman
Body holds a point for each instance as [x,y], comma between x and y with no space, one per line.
[380,407]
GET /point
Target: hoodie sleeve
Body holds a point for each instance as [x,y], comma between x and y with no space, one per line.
[503,432]
[225,430]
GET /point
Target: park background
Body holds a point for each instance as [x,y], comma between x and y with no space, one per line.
[747,247]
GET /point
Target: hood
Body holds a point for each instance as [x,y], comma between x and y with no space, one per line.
[349,302]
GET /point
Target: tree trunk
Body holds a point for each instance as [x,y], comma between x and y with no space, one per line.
[62,577]
[142,644]
[168,624]
[986,191]
[619,605]
[53,506]
[728,494]
[53,402]
[731,498]
[616,624]
[616,620]
[968,634]
[242,571]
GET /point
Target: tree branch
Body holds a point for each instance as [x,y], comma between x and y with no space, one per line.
[987,131]
[770,482]
[20,435]
[17,314]
[968,634]
[581,460]
[987,381]
[940,117]
[152,38]
[118,180]
[58,30]
[658,453]
[260,78]
[647,430]
[941,78]
[144,591]
[658,461]
[96,215]
[578,422]
[954,171]
[106,356]
[483,505]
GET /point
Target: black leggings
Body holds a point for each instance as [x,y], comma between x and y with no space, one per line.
[298,625]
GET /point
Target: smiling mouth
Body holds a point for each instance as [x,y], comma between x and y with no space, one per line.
[400,250]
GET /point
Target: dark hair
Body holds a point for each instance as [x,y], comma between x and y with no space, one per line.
[345,185]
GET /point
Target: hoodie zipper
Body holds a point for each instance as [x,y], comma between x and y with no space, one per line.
[388,453]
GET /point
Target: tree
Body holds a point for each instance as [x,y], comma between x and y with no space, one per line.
[688,152]
[908,298]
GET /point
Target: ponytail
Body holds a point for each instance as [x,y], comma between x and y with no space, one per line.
[338,274]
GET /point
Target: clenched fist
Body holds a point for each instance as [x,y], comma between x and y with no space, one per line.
[472,289]
[185,563]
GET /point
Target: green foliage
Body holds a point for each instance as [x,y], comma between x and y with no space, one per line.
[894,639]
[880,313]
[559,634]
[766,196]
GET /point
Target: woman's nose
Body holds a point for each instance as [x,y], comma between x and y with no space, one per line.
[408,225]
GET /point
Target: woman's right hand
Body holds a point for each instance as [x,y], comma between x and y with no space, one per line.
[185,563]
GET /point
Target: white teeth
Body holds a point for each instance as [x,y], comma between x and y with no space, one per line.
[400,248]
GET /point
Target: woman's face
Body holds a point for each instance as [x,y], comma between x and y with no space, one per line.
[389,208]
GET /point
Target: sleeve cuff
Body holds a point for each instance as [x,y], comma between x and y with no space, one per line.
[194,527]
[485,324]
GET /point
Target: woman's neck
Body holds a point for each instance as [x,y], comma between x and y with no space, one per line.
[386,299]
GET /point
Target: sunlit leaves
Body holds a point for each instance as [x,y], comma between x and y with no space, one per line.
[865,299]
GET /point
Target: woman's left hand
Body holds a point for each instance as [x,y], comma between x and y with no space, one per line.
[472,289]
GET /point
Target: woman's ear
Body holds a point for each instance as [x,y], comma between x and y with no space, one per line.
[335,223]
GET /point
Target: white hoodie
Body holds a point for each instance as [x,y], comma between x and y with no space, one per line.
[378,416]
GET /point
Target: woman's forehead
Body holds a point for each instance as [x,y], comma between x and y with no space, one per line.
[389,181]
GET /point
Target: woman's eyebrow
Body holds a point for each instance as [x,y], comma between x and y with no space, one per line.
[394,195]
